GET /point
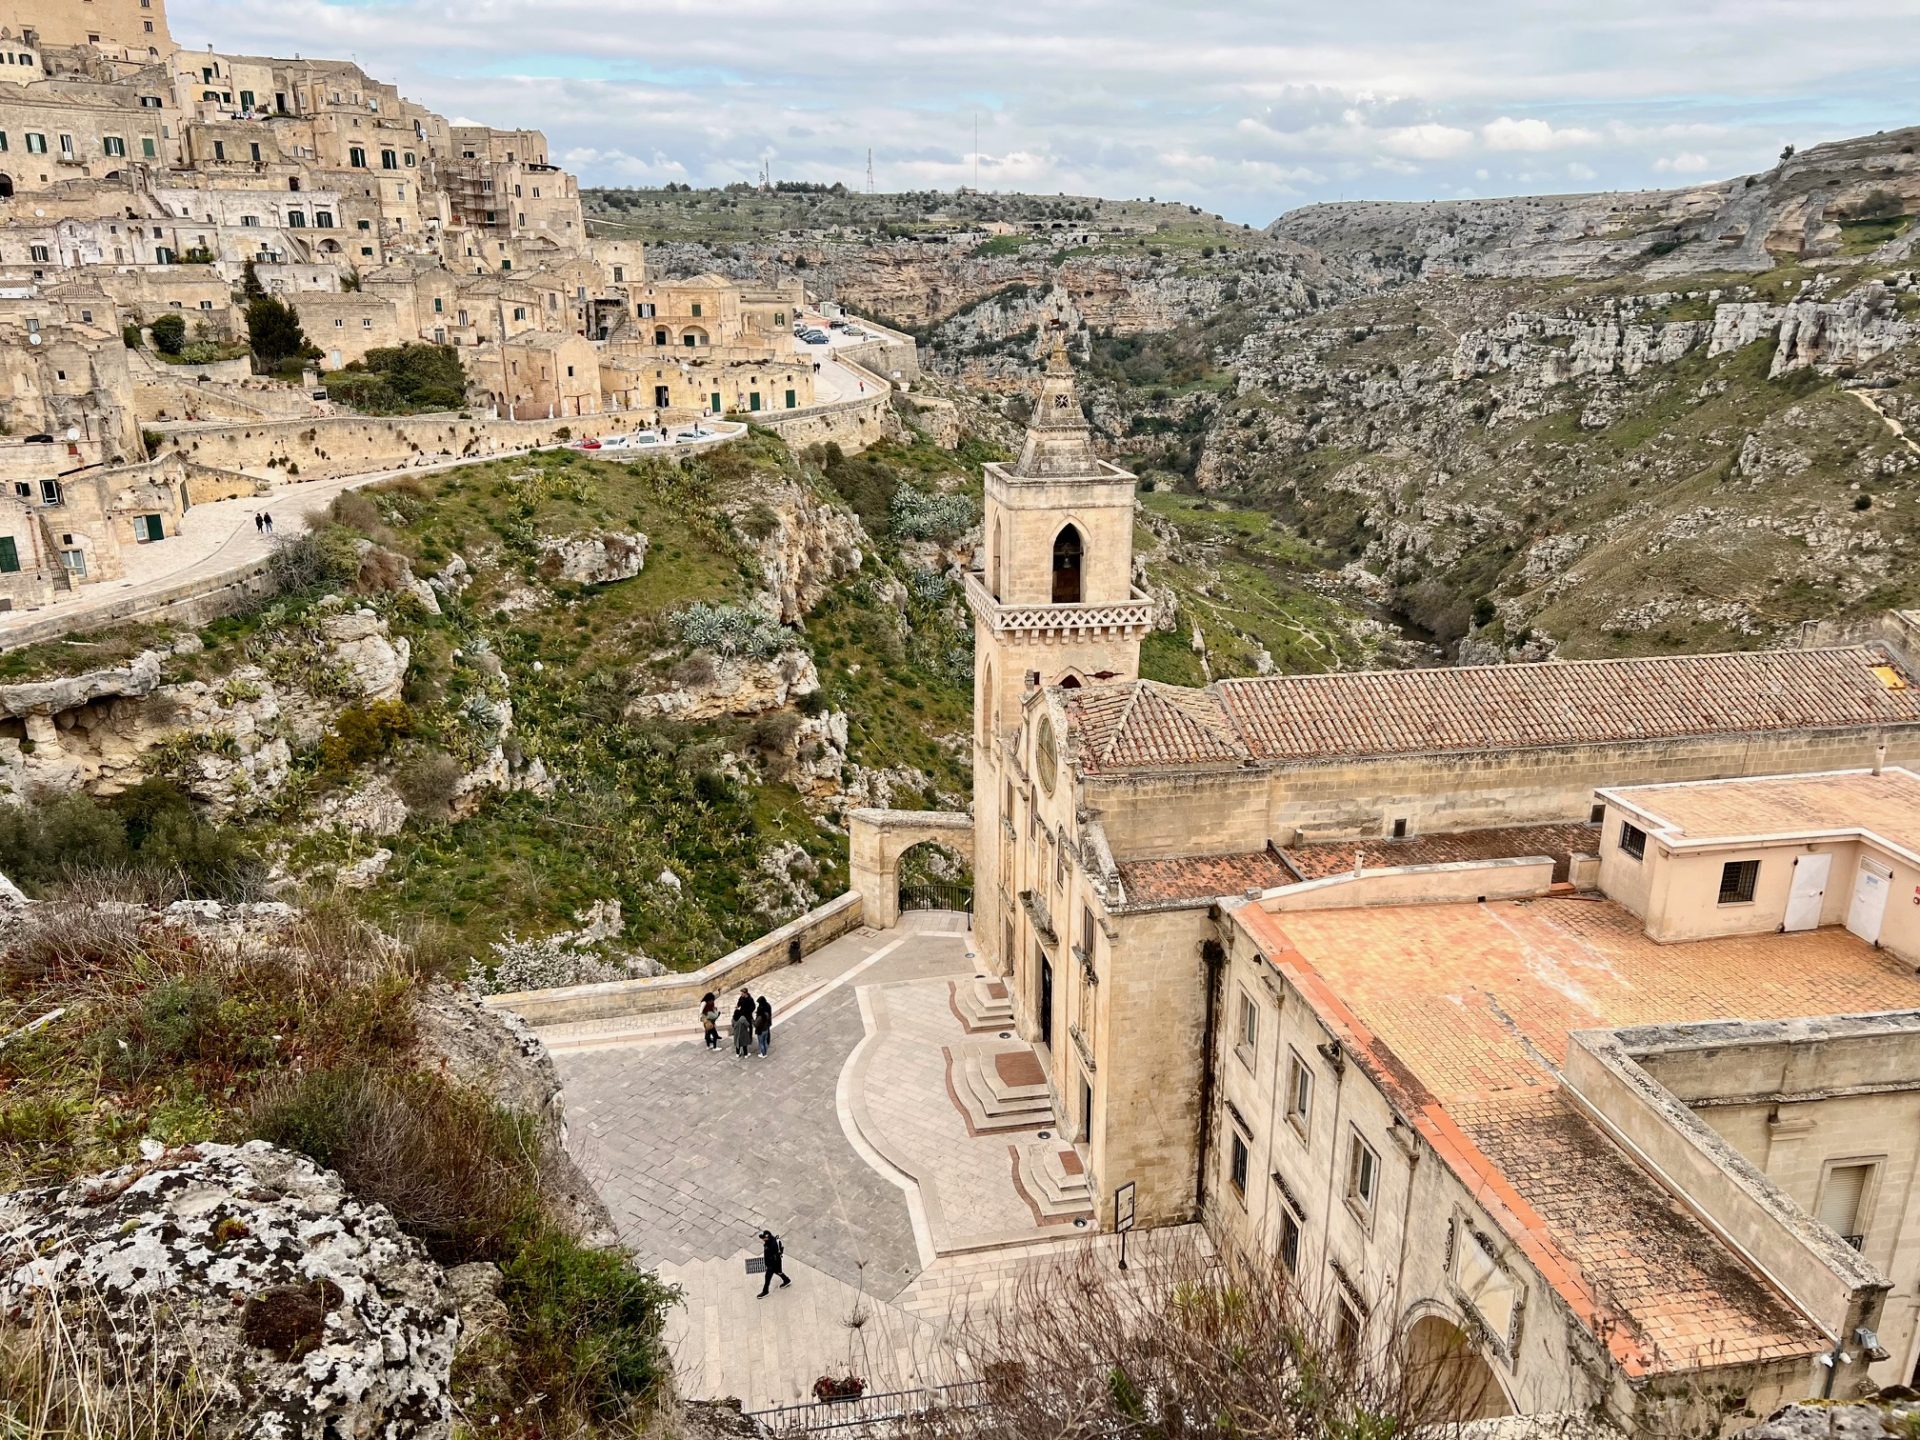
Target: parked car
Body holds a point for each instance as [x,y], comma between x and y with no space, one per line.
[836,324]
[588,444]
[643,440]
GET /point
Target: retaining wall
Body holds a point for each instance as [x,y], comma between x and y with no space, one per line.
[673,992]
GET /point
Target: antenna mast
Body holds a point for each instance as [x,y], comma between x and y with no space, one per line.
[870,170]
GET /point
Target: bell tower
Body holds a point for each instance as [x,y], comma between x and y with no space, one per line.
[1053,604]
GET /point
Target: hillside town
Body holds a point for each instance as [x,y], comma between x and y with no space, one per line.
[144,186]
[586,850]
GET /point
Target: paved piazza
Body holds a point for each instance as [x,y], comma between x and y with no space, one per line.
[850,1141]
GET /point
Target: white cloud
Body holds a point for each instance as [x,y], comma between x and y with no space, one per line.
[1400,99]
[1577,171]
[1507,133]
[1428,142]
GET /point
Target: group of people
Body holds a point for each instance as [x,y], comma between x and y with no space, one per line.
[263,522]
[752,1022]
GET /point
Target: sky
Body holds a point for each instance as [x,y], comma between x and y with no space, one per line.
[1248,110]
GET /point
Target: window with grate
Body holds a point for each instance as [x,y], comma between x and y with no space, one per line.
[1737,881]
[1238,1173]
[1633,840]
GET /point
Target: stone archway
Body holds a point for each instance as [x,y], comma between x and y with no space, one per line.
[879,838]
[1450,1379]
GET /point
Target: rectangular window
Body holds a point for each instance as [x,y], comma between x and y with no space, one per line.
[114,145]
[3,142]
[40,253]
[1633,840]
[49,492]
[75,561]
[356,157]
[1737,881]
[246,99]
[296,220]
[147,150]
[1248,1044]
[9,555]
[148,528]
[323,219]
[439,306]
[1346,1329]
[1299,1093]
[66,146]
[253,151]
[219,149]
[696,309]
[619,274]
[1289,1241]
[1843,1202]
[36,144]
[389,160]
[1363,1176]
[1238,1171]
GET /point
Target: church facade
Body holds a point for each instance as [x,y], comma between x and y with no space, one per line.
[1242,927]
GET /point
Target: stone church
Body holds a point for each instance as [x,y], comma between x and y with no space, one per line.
[1544,1019]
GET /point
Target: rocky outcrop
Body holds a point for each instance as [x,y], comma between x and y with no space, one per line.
[732,685]
[599,557]
[805,545]
[249,1274]
[1896,1412]
[229,742]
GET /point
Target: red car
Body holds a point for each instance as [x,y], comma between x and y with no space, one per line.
[588,444]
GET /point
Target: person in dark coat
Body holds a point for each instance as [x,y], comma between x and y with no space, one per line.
[771,1251]
[710,1020]
[763,1024]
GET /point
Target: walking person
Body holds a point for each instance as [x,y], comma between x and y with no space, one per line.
[269,520]
[763,1024]
[771,1251]
[742,1031]
[710,1020]
[259,523]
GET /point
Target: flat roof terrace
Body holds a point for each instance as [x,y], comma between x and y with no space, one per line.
[1462,1012]
[1842,804]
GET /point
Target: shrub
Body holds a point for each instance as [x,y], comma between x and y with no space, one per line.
[1863,502]
[545,964]
[274,334]
[917,515]
[459,1172]
[51,840]
[130,335]
[362,733]
[323,559]
[587,1324]
[729,630]
[402,380]
[169,334]
[428,783]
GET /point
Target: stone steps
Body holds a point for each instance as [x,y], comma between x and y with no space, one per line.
[984,1004]
[1001,1087]
[1055,1179]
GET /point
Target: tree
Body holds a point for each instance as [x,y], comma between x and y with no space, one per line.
[274,333]
[1786,154]
[169,334]
[250,286]
[402,379]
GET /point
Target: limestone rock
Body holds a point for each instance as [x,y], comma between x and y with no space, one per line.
[11,897]
[1867,1420]
[374,808]
[364,872]
[805,545]
[138,678]
[375,661]
[738,686]
[599,557]
[305,1310]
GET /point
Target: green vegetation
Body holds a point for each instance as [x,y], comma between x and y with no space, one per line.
[312,1041]
[169,334]
[407,379]
[151,834]
[274,334]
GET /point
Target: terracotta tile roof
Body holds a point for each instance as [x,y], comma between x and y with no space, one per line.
[1886,805]
[1461,1012]
[1201,877]
[1142,724]
[1285,718]
[1322,858]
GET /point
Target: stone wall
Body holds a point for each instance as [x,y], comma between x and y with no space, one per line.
[670,992]
[853,425]
[326,446]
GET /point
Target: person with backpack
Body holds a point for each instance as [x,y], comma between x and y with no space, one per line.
[763,1024]
[743,1026]
[710,1020]
[771,1251]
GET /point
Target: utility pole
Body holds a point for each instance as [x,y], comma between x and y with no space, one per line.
[870,170]
[976,151]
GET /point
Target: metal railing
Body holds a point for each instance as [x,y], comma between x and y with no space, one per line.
[886,1407]
[936,895]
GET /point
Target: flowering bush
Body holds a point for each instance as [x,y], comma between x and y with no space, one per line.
[545,964]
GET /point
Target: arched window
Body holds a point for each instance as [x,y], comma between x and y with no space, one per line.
[6,187]
[985,704]
[1069,682]
[997,557]
[1068,553]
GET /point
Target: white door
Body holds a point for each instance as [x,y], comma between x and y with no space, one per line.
[1870,889]
[1809,890]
